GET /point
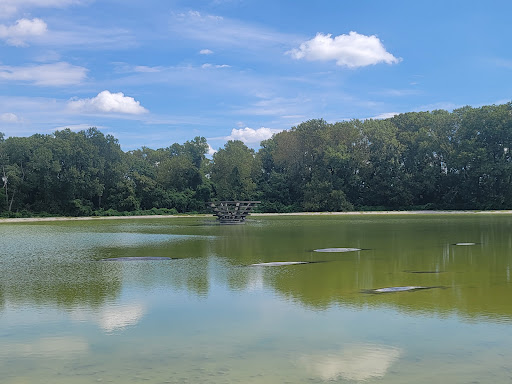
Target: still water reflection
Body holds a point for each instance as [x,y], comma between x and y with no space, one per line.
[355,362]
[255,303]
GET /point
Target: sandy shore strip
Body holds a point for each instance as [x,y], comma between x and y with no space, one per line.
[42,219]
[353,213]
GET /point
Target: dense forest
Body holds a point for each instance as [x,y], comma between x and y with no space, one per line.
[417,160]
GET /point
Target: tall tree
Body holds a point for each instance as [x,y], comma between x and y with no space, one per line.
[233,171]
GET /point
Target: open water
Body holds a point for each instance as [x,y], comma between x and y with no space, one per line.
[391,299]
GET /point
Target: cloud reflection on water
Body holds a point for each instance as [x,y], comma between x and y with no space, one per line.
[115,317]
[120,317]
[358,362]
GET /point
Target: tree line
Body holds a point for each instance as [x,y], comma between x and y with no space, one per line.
[416,160]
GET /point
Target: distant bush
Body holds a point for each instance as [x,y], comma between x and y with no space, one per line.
[366,208]
[111,212]
[160,211]
[276,207]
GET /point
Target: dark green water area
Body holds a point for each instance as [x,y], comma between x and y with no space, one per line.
[396,299]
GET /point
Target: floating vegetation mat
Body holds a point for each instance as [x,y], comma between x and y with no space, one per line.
[279,263]
[338,250]
[398,289]
[136,258]
[465,244]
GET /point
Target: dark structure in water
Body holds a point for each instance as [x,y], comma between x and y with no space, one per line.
[232,212]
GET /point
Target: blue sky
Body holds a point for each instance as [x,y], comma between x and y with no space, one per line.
[157,72]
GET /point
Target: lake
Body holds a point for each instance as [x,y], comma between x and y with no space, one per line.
[411,298]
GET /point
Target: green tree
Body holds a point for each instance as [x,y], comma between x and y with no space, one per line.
[384,179]
[482,160]
[425,139]
[233,170]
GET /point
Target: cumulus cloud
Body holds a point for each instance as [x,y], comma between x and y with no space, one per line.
[107,102]
[387,115]
[352,50]
[211,150]
[22,30]
[250,135]
[205,52]
[9,118]
[55,74]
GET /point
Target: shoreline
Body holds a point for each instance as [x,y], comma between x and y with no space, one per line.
[351,213]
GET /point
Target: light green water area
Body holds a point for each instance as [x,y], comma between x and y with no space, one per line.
[203,314]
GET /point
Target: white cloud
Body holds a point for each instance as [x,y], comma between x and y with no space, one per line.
[121,67]
[23,30]
[208,65]
[250,135]
[10,7]
[9,118]
[56,74]
[108,102]
[205,52]
[446,105]
[211,151]
[146,69]
[77,127]
[66,33]
[387,115]
[352,50]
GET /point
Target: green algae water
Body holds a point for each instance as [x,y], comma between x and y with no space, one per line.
[190,301]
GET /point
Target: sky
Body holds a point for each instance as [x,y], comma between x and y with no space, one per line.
[157,72]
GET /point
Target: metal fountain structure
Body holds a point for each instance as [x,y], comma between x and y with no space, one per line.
[232,212]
